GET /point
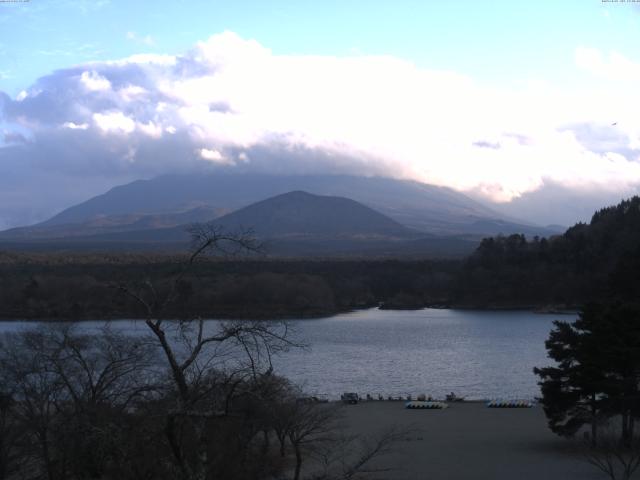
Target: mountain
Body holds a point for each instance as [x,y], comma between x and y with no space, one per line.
[301,214]
[431,209]
[106,224]
[292,224]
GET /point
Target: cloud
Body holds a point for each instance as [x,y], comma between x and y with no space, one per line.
[13,138]
[232,103]
[486,144]
[613,66]
[215,156]
[114,122]
[93,82]
[75,126]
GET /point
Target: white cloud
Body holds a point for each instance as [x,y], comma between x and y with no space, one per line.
[75,126]
[131,92]
[94,82]
[614,66]
[215,156]
[151,129]
[234,102]
[114,122]
[150,58]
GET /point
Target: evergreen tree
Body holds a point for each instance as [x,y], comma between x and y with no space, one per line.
[598,370]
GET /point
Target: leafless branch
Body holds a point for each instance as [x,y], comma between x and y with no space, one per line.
[612,457]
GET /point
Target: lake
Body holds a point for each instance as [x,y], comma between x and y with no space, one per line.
[477,354]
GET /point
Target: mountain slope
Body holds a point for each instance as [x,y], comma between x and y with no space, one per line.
[432,209]
[303,214]
[109,224]
[294,216]
[293,224]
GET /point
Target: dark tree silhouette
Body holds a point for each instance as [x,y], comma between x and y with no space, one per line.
[598,371]
[190,349]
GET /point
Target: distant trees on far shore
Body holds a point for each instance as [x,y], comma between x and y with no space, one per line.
[80,288]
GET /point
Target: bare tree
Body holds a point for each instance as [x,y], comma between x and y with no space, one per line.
[349,457]
[310,424]
[36,393]
[617,458]
[10,436]
[313,430]
[68,393]
[192,350]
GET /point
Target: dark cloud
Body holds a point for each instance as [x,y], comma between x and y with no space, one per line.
[12,138]
[62,96]
[4,100]
[29,194]
[222,107]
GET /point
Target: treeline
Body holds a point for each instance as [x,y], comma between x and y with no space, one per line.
[76,288]
[595,261]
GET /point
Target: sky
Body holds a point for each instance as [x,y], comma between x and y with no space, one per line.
[515,103]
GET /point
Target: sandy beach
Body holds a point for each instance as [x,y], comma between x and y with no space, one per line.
[470,441]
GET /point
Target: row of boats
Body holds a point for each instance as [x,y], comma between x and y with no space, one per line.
[490,404]
[427,402]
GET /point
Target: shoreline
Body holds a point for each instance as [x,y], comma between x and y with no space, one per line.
[546,310]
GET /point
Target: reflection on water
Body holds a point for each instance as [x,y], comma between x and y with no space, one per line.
[472,353]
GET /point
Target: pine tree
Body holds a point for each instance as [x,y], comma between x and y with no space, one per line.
[598,371]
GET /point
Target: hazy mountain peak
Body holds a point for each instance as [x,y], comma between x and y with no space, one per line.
[433,209]
[302,213]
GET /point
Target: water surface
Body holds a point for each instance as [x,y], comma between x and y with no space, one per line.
[478,354]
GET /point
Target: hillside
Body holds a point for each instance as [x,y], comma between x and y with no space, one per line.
[294,224]
[591,261]
[302,214]
[431,209]
[107,224]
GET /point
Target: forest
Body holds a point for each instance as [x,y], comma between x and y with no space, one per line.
[595,261]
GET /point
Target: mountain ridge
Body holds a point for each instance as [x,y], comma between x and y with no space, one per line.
[432,209]
[293,224]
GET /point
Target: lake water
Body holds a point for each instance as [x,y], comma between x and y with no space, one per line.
[477,354]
